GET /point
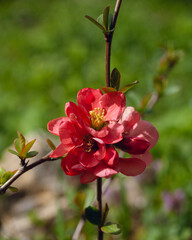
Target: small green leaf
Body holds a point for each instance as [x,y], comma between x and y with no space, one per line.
[6,176]
[108,89]
[100,19]
[93,215]
[13,189]
[115,79]
[129,86]
[21,141]
[13,152]
[17,145]
[27,148]
[106,17]
[51,144]
[95,22]
[2,171]
[90,195]
[111,228]
[31,154]
[80,200]
[110,22]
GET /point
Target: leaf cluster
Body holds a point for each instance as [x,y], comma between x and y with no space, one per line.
[22,148]
[93,215]
[115,82]
[104,21]
[5,176]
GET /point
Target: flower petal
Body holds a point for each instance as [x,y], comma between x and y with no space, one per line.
[53,126]
[131,166]
[130,118]
[133,145]
[88,98]
[114,135]
[87,177]
[102,170]
[146,157]
[147,131]
[70,164]
[93,158]
[60,151]
[68,135]
[72,109]
[111,158]
[114,105]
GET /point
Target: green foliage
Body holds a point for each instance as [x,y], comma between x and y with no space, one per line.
[115,79]
[5,176]
[111,228]
[22,148]
[93,215]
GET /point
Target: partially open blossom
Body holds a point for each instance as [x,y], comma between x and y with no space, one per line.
[139,136]
[93,128]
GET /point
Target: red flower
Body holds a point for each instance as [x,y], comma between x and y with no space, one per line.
[92,130]
[139,136]
[86,132]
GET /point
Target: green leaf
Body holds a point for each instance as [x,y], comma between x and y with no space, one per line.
[128,87]
[13,152]
[93,215]
[51,144]
[100,19]
[27,148]
[21,141]
[115,79]
[90,195]
[106,17]
[17,145]
[6,176]
[95,22]
[111,228]
[80,200]
[110,22]
[13,189]
[31,154]
[2,171]
[108,89]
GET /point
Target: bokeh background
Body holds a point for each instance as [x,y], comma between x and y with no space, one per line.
[49,51]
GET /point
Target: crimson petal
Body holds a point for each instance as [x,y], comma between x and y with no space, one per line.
[131,166]
[54,125]
[88,98]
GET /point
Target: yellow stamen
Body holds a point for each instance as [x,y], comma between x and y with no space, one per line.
[88,143]
[97,116]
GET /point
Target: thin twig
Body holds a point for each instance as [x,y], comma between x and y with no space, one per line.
[108,43]
[99,203]
[115,15]
[22,170]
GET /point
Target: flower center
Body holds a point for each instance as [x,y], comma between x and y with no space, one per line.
[88,143]
[97,116]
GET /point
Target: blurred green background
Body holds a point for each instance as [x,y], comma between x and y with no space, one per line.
[49,51]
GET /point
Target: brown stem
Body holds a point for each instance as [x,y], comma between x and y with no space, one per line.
[99,202]
[22,170]
[107,61]
[108,43]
